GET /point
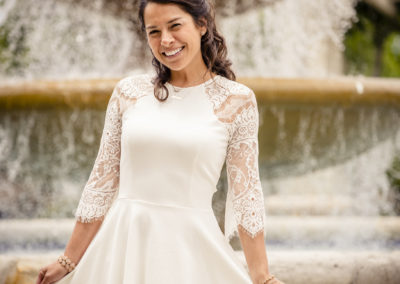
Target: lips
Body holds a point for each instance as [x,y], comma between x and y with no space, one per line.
[172,50]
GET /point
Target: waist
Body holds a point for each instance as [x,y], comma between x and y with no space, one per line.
[165,205]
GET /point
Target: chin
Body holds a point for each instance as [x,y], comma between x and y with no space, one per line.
[173,67]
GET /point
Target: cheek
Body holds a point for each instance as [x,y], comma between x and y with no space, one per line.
[191,37]
[153,45]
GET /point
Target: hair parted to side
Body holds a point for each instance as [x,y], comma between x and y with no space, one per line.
[213,47]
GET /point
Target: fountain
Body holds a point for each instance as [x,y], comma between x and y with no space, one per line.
[325,140]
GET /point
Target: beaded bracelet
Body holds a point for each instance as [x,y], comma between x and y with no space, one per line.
[66,263]
[269,279]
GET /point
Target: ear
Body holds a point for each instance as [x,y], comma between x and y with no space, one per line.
[203,26]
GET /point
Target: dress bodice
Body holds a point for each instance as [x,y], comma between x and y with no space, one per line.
[172,152]
[179,144]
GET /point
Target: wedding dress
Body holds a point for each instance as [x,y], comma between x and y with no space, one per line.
[153,179]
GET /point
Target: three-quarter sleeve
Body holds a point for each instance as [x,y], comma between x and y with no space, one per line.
[103,183]
[245,199]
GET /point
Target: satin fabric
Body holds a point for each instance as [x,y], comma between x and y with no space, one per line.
[161,227]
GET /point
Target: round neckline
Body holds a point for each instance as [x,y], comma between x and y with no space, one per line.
[195,86]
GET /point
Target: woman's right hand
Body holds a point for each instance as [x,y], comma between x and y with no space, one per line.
[51,273]
[275,281]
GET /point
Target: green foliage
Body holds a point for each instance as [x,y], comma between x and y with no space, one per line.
[391,56]
[372,45]
[13,49]
[360,50]
[393,175]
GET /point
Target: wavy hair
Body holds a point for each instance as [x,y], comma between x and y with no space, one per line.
[213,47]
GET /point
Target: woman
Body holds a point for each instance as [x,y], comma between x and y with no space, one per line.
[145,214]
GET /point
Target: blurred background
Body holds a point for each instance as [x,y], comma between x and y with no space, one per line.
[326,75]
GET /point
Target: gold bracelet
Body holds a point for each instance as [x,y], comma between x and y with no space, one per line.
[66,263]
[269,279]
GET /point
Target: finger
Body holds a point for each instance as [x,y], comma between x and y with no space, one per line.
[40,276]
[46,280]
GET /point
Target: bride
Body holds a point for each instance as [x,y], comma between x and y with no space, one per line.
[145,214]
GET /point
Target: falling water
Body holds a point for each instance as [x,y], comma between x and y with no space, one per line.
[46,154]
[59,39]
[289,38]
[63,39]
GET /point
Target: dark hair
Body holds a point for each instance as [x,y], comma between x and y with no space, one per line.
[213,48]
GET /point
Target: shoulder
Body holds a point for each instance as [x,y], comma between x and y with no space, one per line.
[228,93]
[135,86]
[234,88]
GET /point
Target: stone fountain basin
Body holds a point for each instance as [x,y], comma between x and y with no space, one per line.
[292,267]
[324,121]
[301,249]
[282,232]
[305,124]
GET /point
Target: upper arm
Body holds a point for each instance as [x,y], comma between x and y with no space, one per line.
[245,200]
[102,185]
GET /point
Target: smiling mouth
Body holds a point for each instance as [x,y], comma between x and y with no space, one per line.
[177,51]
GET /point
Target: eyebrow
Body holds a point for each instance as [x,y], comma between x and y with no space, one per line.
[151,27]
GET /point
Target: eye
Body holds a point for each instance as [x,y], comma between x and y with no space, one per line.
[175,25]
[153,32]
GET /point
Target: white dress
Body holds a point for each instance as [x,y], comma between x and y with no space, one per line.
[153,180]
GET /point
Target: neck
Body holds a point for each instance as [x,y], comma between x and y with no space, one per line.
[187,78]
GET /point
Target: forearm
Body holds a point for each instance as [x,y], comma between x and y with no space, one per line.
[256,256]
[80,239]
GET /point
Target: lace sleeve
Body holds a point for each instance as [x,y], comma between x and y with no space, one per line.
[102,185]
[245,199]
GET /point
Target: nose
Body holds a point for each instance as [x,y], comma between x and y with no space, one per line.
[166,38]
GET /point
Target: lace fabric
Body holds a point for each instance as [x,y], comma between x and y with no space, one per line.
[102,185]
[235,106]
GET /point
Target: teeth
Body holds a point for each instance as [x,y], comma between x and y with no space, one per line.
[174,51]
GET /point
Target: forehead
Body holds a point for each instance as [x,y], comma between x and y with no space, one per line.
[156,14]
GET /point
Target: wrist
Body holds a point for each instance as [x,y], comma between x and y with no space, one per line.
[65,262]
[260,277]
[270,278]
